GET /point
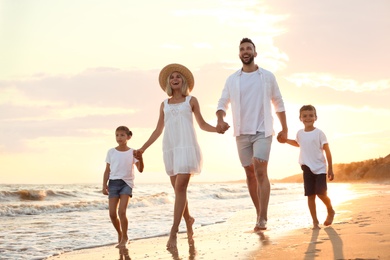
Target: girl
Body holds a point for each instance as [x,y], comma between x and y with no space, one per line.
[181,152]
[119,174]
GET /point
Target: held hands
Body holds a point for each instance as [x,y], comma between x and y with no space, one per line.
[138,154]
[282,137]
[222,127]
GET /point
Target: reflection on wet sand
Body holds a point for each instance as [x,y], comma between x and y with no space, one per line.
[124,254]
[176,256]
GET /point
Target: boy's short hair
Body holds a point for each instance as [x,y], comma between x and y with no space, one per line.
[124,128]
[247,40]
[307,108]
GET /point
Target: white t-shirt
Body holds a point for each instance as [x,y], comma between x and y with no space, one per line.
[121,165]
[311,150]
[251,94]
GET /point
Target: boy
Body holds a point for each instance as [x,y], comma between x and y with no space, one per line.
[312,142]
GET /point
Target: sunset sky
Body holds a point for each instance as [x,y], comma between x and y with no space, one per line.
[72,71]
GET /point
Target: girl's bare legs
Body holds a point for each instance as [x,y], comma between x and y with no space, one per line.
[180,184]
[112,209]
[123,203]
[329,219]
[311,201]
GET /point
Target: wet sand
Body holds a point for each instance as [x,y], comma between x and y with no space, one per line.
[361,230]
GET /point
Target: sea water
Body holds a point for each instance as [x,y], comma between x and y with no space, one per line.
[38,221]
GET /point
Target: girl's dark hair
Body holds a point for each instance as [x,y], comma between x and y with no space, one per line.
[124,128]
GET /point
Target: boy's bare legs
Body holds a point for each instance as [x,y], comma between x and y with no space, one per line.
[180,184]
[123,203]
[329,219]
[311,201]
[112,209]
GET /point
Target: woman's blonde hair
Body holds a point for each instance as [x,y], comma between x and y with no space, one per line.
[184,88]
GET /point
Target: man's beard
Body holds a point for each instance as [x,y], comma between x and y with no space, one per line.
[247,62]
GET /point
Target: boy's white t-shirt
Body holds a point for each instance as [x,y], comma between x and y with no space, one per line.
[121,165]
[311,150]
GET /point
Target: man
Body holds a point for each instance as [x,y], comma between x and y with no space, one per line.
[250,91]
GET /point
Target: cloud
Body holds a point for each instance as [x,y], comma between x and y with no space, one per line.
[171,46]
[341,84]
[92,102]
[99,98]
[344,36]
[202,45]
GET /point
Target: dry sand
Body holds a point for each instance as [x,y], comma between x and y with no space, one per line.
[361,230]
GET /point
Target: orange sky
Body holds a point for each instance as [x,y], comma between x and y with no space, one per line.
[71,72]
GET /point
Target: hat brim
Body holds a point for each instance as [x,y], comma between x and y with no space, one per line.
[174,67]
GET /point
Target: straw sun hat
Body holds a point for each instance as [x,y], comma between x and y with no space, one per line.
[169,69]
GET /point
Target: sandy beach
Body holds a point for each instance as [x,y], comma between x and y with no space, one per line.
[361,230]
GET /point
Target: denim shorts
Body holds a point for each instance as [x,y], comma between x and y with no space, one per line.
[117,188]
[253,146]
[315,184]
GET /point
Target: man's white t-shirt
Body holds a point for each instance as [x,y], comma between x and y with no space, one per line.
[251,98]
[311,150]
[121,165]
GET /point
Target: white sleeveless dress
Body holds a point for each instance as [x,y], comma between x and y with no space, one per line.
[181,151]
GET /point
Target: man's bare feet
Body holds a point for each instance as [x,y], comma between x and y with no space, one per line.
[261,225]
[172,241]
[123,242]
[329,218]
[190,231]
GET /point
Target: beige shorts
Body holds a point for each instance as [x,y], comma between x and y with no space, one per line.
[253,146]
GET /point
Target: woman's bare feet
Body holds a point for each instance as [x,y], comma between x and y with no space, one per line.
[329,218]
[123,242]
[172,241]
[190,231]
[316,225]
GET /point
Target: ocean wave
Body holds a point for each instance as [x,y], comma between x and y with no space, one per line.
[151,200]
[37,209]
[35,194]
[24,195]
[37,206]
[229,196]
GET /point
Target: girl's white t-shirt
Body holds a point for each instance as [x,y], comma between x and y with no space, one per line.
[311,150]
[121,165]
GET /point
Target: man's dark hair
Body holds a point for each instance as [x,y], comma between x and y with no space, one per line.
[247,40]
